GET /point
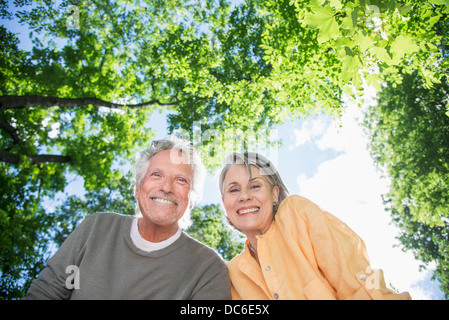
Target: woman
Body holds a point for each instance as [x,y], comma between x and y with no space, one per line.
[294,250]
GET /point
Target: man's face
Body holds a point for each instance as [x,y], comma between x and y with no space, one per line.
[163,195]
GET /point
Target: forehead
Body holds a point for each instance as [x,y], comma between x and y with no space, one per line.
[239,173]
[173,160]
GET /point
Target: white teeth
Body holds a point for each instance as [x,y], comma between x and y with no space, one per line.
[248,210]
[163,201]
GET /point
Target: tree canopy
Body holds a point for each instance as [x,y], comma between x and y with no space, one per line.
[409,133]
[77,103]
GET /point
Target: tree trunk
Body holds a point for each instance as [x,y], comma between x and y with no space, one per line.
[13,158]
[20,102]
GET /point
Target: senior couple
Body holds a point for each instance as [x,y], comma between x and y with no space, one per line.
[294,250]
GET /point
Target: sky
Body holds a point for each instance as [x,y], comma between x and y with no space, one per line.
[330,165]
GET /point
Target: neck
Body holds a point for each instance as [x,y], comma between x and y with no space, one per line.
[252,243]
[252,236]
[155,233]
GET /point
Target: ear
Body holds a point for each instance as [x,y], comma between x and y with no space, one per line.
[275,193]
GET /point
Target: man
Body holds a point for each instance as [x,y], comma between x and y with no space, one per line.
[148,256]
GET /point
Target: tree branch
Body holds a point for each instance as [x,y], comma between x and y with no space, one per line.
[11,130]
[28,101]
[13,158]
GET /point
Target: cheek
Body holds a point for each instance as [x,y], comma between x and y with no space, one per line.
[228,203]
[233,218]
[268,214]
[185,193]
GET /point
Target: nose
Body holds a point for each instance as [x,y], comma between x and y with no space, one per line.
[167,186]
[244,196]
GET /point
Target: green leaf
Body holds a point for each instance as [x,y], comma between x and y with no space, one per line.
[433,20]
[440,2]
[350,68]
[335,4]
[364,41]
[405,9]
[380,53]
[350,21]
[403,45]
[323,19]
[373,80]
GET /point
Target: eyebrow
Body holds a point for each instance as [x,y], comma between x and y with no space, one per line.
[235,182]
[231,183]
[190,176]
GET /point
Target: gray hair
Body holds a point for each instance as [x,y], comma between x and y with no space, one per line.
[194,160]
[266,167]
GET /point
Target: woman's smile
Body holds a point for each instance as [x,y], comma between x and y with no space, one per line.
[246,210]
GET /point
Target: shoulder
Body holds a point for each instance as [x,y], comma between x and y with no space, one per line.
[298,206]
[200,250]
[104,217]
[296,211]
[298,202]
[103,221]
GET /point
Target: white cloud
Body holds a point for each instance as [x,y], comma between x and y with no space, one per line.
[347,137]
[309,131]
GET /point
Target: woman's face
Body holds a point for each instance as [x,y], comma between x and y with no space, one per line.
[248,203]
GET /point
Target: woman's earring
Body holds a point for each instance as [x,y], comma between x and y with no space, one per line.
[275,203]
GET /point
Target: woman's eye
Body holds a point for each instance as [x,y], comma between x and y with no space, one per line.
[255,186]
[233,190]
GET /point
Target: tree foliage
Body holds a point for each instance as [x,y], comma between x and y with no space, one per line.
[409,132]
[77,103]
[209,226]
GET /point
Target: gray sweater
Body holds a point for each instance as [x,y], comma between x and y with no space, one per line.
[110,266]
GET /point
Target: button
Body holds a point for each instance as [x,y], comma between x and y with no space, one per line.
[267,268]
[363,277]
[276,296]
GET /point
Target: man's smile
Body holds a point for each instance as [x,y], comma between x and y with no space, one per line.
[162,200]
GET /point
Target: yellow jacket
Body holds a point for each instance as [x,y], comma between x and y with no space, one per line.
[307,253]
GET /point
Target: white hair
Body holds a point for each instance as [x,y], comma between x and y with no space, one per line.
[194,160]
